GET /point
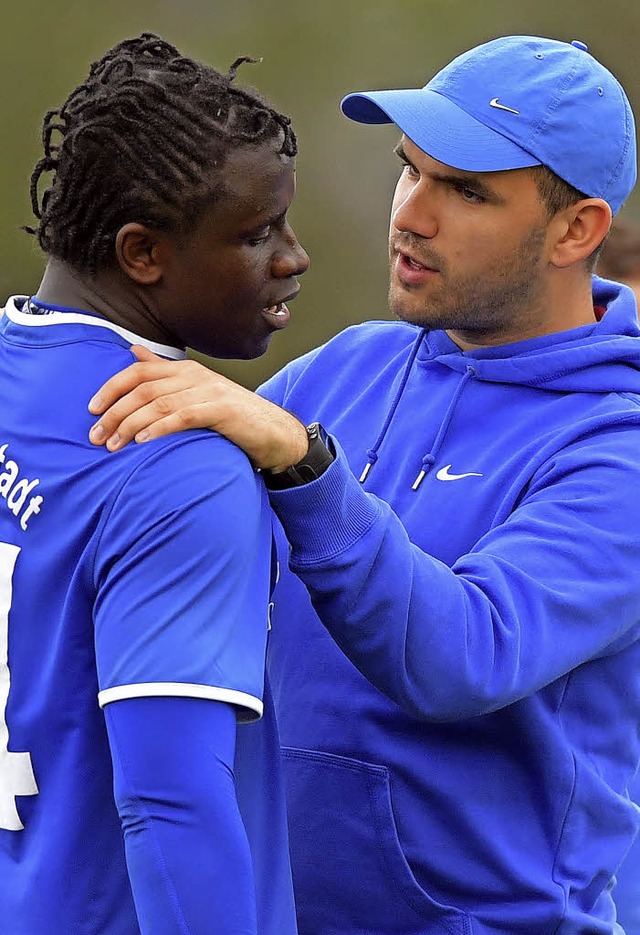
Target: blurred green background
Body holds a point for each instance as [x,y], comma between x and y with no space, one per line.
[314,53]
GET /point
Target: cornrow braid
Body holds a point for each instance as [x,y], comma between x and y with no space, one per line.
[143,138]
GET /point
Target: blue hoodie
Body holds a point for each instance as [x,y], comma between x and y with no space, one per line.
[461,728]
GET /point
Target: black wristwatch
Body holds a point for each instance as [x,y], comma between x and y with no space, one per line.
[316,461]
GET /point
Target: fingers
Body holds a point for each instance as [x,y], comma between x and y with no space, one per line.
[116,433]
[146,424]
[154,398]
[169,425]
[138,410]
[132,401]
[149,369]
[143,353]
[125,381]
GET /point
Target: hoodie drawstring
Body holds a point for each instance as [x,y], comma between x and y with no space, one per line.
[429,459]
[372,453]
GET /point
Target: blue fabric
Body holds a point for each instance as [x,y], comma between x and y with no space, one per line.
[174,788]
[627,890]
[461,724]
[550,112]
[143,572]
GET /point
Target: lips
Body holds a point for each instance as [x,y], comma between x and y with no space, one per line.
[417,252]
[278,315]
[411,272]
[414,261]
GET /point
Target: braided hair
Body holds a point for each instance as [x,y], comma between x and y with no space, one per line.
[143,138]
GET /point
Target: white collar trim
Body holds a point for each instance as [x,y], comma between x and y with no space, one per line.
[77,318]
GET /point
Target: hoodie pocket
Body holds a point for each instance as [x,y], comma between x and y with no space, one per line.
[350,875]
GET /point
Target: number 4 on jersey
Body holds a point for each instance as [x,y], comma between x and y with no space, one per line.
[16,772]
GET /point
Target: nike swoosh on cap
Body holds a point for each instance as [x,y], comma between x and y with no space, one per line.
[495,102]
[443,474]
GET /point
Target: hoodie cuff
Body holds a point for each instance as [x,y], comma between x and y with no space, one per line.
[328,515]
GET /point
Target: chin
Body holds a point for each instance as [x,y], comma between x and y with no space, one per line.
[404,312]
[255,349]
[249,350]
[402,307]
[419,313]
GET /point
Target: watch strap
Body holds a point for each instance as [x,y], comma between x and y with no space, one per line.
[319,456]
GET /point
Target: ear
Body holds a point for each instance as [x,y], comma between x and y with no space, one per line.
[581,228]
[141,253]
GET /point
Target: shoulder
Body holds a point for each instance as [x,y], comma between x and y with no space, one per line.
[371,344]
[195,487]
[195,460]
[369,338]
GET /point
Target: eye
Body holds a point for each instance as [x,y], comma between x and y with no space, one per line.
[471,196]
[407,168]
[258,237]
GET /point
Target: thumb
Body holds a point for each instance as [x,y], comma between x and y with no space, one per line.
[143,353]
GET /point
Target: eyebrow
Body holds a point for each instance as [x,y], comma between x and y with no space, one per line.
[398,150]
[269,221]
[458,180]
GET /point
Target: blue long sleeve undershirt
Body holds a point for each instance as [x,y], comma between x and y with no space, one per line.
[186,848]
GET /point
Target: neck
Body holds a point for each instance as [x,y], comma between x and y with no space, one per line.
[567,303]
[107,294]
[61,285]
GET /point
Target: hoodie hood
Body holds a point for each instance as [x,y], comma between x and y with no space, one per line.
[603,357]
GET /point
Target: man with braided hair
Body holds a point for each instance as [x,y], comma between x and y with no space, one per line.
[134,591]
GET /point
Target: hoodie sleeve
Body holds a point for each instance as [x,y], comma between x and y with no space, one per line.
[550,588]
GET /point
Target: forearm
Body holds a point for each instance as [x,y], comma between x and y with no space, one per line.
[370,586]
[187,853]
[454,642]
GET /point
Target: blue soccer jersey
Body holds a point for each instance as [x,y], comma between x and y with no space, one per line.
[141,573]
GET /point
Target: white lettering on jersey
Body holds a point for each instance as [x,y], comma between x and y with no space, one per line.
[15,491]
[16,772]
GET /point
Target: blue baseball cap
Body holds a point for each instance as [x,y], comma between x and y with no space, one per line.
[515,102]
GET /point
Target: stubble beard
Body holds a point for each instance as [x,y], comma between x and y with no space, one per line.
[481,306]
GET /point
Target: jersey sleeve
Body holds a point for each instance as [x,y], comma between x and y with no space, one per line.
[181,573]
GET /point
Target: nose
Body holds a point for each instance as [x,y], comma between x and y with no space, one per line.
[292,259]
[412,210]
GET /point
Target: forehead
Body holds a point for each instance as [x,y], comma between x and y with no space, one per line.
[505,182]
[257,179]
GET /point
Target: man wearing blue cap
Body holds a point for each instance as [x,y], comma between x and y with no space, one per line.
[468,532]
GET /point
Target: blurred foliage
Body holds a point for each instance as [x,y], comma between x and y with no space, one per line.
[314,53]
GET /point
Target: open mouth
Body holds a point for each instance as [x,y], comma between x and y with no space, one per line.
[411,272]
[278,316]
[413,264]
[279,310]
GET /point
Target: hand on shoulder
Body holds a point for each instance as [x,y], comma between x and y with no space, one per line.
[156,397]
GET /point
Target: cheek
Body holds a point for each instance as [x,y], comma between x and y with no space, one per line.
[238,273]
[247,284]
[252,277]
[477,244]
